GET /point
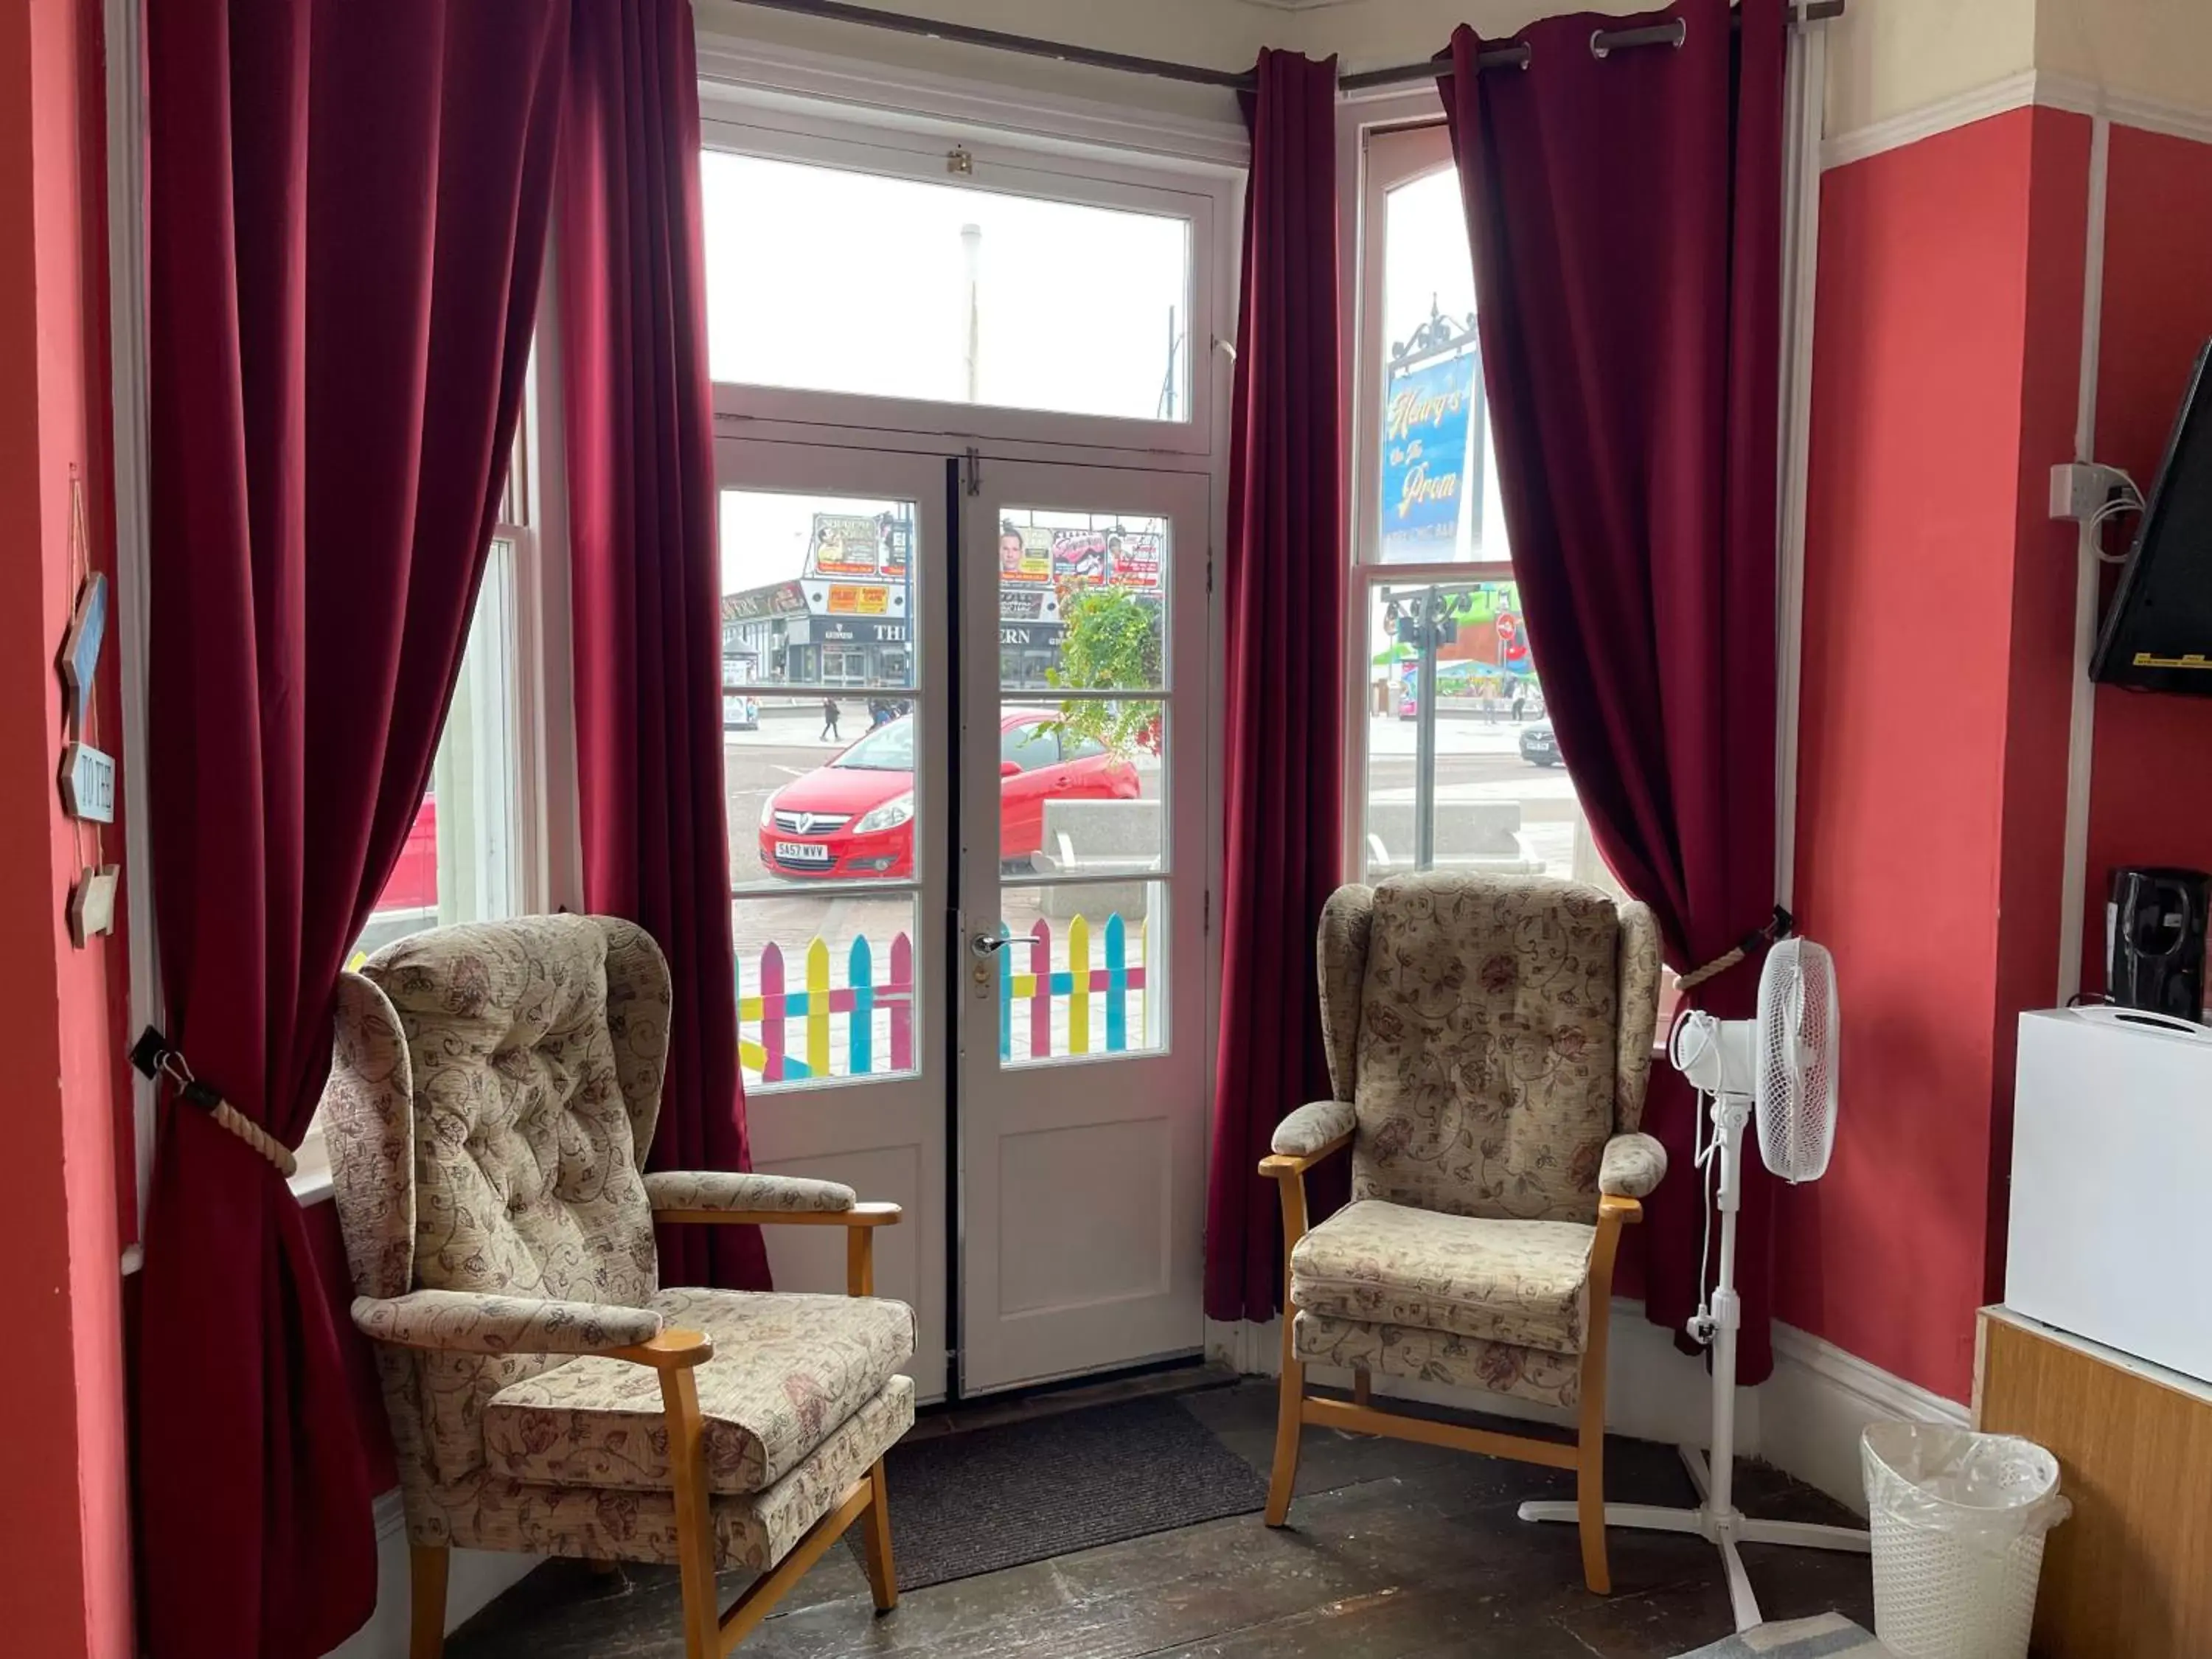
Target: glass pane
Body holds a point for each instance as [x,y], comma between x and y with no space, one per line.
[809,800]
[815,591]
[899,288]
[458,862]
[1474,780]
[1083,603]
[825,987]
[1077,796]
[1085,972]
[1437,474]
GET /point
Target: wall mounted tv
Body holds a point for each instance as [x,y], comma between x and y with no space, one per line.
[2157,635]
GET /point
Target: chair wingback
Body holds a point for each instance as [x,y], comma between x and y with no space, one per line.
[1492,1032]
[492,1097]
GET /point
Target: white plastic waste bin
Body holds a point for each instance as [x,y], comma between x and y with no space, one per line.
[1959,1521]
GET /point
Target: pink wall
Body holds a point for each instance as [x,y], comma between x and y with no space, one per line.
[1932,750]
[2151,793]
[65,1562]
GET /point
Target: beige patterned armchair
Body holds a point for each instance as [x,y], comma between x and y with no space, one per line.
[494,1093]
[1489,1038]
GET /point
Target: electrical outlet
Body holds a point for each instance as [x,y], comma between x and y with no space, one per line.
[2080,489]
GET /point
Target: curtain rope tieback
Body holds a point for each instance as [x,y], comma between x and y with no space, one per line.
[155,1056]
[1777,926]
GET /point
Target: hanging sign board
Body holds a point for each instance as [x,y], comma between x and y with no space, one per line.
[1427,416]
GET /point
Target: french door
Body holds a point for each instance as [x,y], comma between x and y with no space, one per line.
[1081,1011]
[965,740]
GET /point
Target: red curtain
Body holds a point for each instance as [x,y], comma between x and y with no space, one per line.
[645,580]
[348,208]
[1625,213]
[1285,575]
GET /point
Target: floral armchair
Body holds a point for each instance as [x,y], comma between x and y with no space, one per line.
[494,1093]
[1489,1038]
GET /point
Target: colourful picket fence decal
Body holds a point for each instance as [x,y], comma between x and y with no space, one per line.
[789,1017]
[796,1041]
[1072,987]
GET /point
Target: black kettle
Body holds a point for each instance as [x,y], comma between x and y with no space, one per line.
[2154,924]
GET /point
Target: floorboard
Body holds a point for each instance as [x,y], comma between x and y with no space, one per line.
[1395,1552]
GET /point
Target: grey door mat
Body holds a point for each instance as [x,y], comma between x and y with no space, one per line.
[1831,1636]
[977,1501]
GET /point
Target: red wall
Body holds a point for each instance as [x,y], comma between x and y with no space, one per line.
[64,1563]
[2151,782]
[1933,734]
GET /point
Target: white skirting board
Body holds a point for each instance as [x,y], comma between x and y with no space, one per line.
[1805,1419]
[477,1576]
[1818,1400]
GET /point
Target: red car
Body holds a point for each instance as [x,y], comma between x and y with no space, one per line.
[856,816]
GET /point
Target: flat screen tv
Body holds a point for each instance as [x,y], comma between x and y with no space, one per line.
[2157,635]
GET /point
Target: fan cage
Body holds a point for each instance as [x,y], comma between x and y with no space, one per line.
[1795,1092]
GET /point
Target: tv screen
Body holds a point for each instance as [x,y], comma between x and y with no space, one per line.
[2157,635]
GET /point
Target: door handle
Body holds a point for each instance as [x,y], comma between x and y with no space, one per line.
[984,946]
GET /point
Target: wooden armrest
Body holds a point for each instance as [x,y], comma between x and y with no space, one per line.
[1618,1211]
[671,1351]
[882,1214]
[1276,1165]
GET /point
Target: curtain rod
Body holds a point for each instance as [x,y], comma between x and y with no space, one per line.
[967,34]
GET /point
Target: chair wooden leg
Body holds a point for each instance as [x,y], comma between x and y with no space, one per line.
[694,1521]
[1289,1411]
[876,1541]
[1363,1387]
[426,1576]
[1590,1458]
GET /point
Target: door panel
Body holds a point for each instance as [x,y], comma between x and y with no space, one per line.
[834,562]
[1080,1023]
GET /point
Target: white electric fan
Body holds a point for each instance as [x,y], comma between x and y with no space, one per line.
[1782,1065]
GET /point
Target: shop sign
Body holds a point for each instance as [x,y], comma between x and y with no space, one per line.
[863,633]
[858,600]
[844,545]
[1028,604]
[1024,553]
[1424,458]
[776,599]
[1128,558]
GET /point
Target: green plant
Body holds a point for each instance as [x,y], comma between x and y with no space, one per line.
[1110,640]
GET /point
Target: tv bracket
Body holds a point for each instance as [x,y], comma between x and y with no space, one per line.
[2090,494]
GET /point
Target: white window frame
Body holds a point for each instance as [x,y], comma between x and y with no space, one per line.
[1381,142]
[739,121]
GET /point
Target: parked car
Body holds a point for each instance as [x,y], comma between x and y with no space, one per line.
[414,883]
[740,713]
[856,816]
[1537,746]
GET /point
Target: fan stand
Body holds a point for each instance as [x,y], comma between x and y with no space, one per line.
[1716,1516]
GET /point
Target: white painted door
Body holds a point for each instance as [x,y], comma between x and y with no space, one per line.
[834,565]
[1083,1067]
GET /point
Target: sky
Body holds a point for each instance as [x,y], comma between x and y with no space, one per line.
[1073,310]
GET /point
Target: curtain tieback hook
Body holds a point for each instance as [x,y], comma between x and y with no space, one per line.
[156,1057]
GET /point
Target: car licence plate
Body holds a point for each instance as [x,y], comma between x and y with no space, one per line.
[802,852]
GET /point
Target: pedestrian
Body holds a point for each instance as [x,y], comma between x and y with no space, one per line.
[1520,698]
[829,721]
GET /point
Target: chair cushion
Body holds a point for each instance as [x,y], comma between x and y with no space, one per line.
[1488,1016]
[751,1529]
[788,1371]
[1519,1282]
[1462,1362]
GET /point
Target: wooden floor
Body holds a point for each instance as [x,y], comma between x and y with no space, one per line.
[1393,1550]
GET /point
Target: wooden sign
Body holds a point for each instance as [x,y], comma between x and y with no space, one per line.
[92,903]
[80,653]
[88,782]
